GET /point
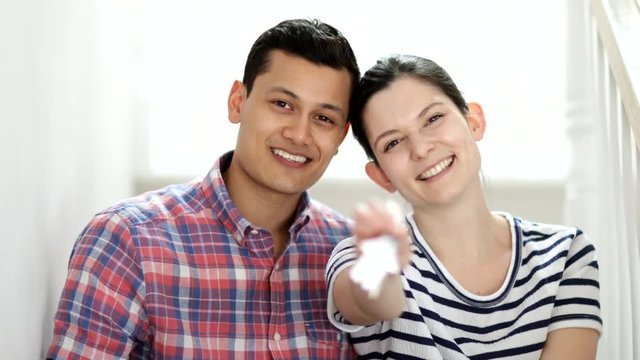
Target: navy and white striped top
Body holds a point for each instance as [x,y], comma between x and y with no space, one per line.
[552,283]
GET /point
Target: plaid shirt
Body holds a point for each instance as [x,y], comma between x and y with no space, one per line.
[180,274]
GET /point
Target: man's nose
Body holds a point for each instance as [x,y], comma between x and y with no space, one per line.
[298,131]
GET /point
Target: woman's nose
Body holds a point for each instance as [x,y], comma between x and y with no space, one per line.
[419,147]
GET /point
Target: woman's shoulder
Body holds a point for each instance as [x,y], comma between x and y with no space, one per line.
[549,245]
[535,230]
[546,238]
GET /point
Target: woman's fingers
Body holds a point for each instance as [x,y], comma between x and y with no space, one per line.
[375,218]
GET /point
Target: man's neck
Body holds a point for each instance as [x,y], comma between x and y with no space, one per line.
[263,207]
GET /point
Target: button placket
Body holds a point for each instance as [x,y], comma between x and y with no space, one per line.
[278,322]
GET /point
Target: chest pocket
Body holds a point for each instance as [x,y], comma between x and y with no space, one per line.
[327,342]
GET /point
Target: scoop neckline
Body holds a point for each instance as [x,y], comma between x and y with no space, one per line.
[452,284]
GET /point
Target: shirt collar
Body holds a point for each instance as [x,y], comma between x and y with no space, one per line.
[215,191]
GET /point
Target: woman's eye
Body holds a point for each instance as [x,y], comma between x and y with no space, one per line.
[390,145]
[434,118]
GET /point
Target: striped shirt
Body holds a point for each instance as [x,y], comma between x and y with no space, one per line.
[180,274]
[552,283]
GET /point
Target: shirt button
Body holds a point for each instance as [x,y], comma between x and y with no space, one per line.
[277,337]
[254,232]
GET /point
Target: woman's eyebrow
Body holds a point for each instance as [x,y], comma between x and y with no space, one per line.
[427,108]
[386,133]
[422,113]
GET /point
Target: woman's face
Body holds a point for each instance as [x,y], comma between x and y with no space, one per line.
[425,147]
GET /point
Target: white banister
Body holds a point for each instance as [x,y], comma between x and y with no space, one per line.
[603,189]
[618,24]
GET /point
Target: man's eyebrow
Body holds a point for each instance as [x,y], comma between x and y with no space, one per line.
[332,107]
[280,89]
[285,91]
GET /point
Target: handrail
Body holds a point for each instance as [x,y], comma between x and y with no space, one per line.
[618,23]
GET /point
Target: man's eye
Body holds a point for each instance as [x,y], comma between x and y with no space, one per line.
[282,104]
[326,119]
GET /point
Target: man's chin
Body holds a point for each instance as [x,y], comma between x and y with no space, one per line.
[293,188]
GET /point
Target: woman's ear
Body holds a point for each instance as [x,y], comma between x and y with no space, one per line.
[378,176]
[236,99]
[476,121]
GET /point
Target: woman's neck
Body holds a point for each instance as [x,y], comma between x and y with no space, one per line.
[463,229]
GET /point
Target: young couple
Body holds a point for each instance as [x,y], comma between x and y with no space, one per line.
[234,266]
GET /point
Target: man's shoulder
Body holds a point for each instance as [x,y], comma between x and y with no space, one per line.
[166,203]
[329,218]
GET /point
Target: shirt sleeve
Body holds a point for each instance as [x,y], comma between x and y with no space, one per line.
[100,314]
[343,256]
[577,303]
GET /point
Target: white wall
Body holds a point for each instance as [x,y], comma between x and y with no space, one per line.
[541,201]
[538,201]
[64,148]
[22,284]
[498,52]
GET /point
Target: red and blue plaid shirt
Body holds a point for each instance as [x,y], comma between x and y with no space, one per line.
[180,274]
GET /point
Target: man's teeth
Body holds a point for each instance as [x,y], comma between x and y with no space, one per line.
[436,169]
[295,158]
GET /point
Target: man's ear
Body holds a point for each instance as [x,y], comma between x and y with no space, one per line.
[476,121]
[378,176]
[346,129]
[236,100]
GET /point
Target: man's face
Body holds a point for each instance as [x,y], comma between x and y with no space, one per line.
[291,124]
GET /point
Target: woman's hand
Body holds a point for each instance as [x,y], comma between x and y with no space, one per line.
[371,289]
[374,219]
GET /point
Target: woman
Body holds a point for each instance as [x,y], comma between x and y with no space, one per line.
[474,283]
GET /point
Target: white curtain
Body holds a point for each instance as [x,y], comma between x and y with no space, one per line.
[65,149]
[603,182]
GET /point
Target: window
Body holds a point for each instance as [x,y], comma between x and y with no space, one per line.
[509,56]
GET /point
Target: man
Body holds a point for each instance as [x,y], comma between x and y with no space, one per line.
[232,266]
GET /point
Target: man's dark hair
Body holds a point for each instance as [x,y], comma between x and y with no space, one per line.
[313,40]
